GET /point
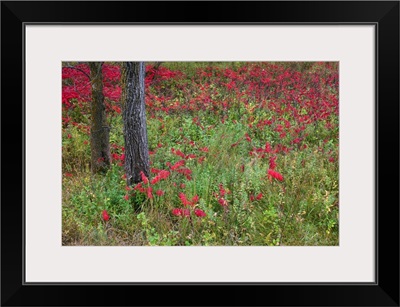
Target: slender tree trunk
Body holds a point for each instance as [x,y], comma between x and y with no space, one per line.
[134,115]
[99,133]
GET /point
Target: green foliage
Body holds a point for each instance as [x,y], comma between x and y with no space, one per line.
[75,150]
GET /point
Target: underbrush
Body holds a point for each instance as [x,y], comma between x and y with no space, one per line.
[228,168]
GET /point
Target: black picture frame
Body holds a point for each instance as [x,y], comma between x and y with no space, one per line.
[384,15]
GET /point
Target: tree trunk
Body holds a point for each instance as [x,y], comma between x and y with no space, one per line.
[99,133]
[134,115]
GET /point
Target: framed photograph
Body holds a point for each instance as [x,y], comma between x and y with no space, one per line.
[241,147]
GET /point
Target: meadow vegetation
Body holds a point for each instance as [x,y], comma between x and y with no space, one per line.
[242,153]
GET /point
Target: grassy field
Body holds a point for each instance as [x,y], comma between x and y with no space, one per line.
[241,153]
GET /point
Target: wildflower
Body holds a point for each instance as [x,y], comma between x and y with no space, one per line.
[68,175]
[160,192]
[181,212]
[161,175]
[155,180]
[183,199]
[259,196]
[252,197]
[296,141]
[149,190]
[267,147]
[204,149]
[195,199]
[223,202]
[177,211]
[185,171]
[139,188]
[274,174]
[144,178]
[186,202]
[117,109]
[199,213]
[126,197]
[222,191]
[177,165]
[178,152]
[106,217]
[185,212]
[272,162]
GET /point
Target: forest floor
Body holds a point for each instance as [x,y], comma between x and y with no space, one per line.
[242,153]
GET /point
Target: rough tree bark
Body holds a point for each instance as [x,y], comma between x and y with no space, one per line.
[99,132]
[134,116]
